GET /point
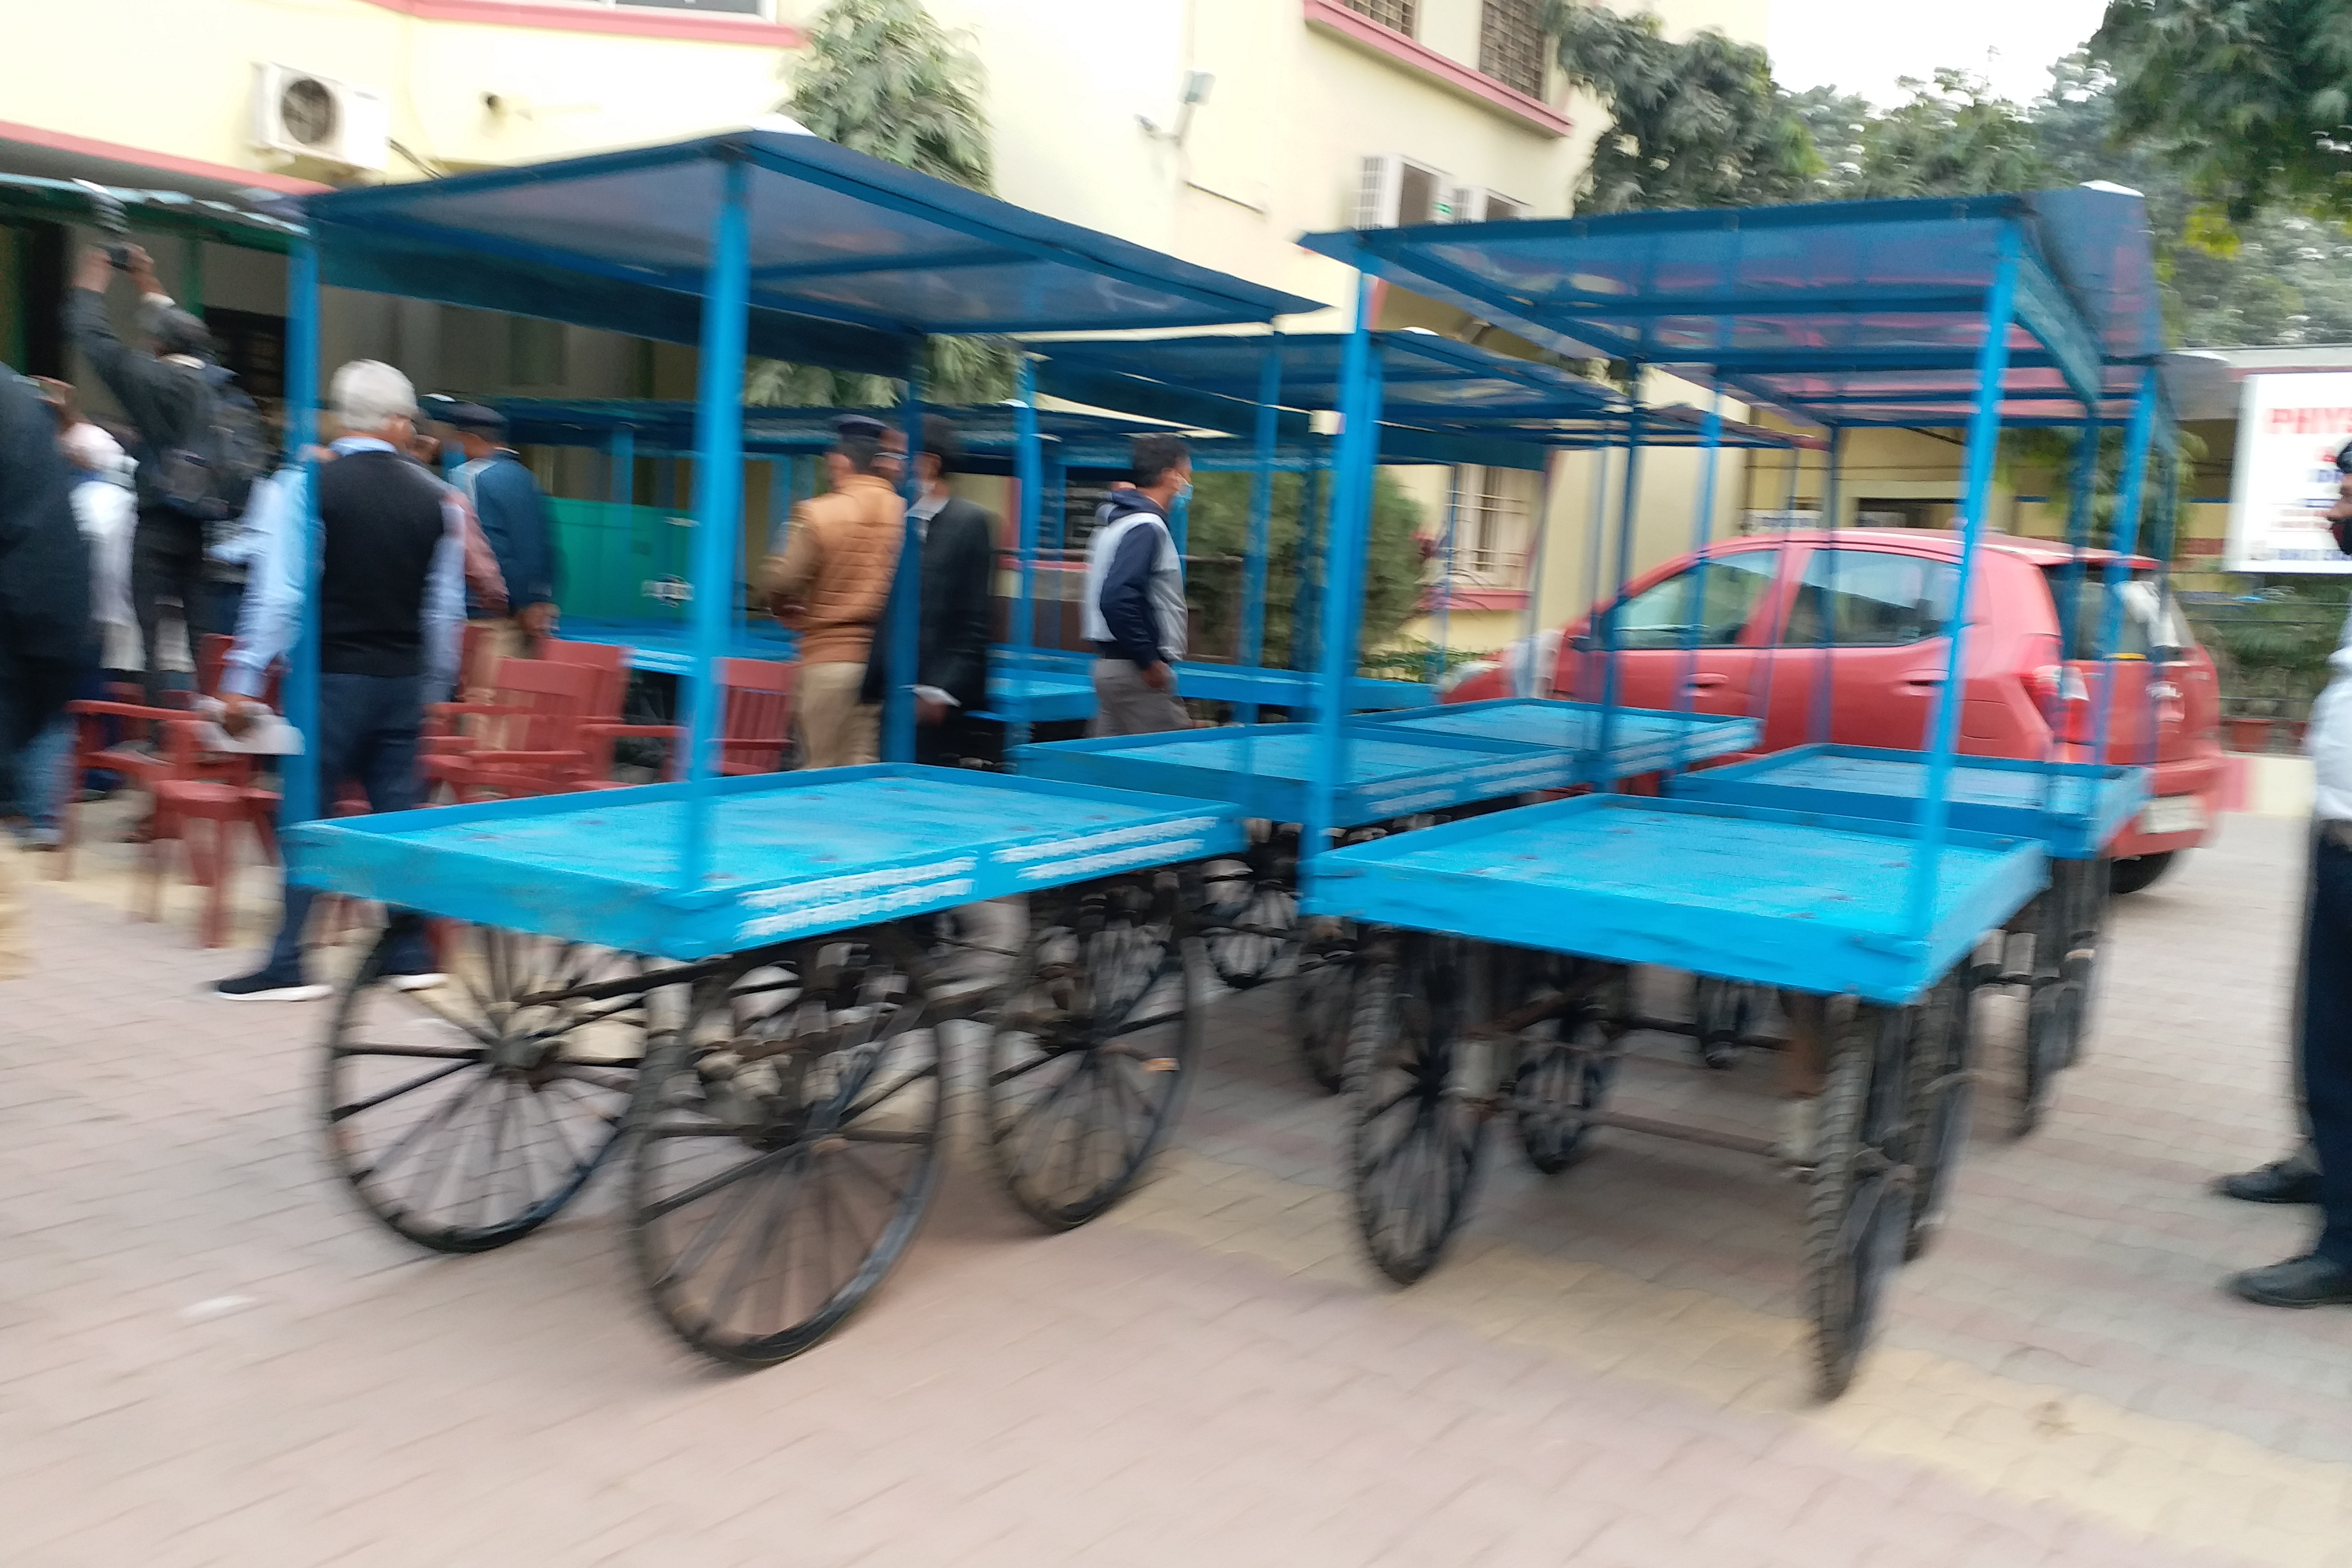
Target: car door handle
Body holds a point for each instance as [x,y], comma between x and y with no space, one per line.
[1921,682]
[1699,682]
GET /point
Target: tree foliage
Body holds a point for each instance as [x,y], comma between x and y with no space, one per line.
[1220,526]
[2250,100]
[1694,124]
[883,77]
[1953,138]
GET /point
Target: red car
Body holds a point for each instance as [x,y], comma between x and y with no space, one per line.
[1886,595]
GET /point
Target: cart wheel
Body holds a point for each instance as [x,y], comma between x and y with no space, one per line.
[1095,1043]
[465,1115]
[1723,1013]
[2053,1016]
[1941,1092]
[1416,1114]
[1560,1083]
[1252,925]
[783,1146]
[1323,1006]
[1858,1213]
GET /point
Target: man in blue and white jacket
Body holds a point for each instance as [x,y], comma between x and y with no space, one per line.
[1134,610]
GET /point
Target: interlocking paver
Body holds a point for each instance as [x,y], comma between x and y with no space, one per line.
[207,1354]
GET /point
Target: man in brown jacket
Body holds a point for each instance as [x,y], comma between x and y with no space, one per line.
[831,585]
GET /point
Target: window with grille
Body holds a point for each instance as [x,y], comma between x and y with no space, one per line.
[1511,45]
[1396,13]
[1493,509]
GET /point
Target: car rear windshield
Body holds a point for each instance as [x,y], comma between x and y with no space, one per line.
[2144,627]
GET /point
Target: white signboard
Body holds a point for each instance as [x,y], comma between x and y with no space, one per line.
[2290,427]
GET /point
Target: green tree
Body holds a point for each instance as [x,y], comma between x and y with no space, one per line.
[1840,124]
[1220,528]
[1953,138]
[883,77]
[1699,123]
[2250,99]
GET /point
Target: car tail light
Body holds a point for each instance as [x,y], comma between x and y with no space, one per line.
[2063,698]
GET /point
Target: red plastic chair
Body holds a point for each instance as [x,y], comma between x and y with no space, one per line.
[217,790]
[758,714]
[611,663]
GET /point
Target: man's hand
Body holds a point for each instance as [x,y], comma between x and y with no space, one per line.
[237,714]
[141,268]
[539,620]
[930,710]
[93,271]
[1158,677]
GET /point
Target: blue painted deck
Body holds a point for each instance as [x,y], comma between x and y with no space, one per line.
[1747,893]
[1263,770]
[796,855]
[2073,808]
[1643,740]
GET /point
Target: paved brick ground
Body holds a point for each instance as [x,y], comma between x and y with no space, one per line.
[207,1356]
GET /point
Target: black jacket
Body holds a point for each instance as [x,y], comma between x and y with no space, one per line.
[164,400]
[44,570]
[958,587]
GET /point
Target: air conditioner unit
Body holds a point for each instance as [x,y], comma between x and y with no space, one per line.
[1394,191]
[305,115]
[1477,203]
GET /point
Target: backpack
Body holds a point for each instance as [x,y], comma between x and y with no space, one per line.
[211,477]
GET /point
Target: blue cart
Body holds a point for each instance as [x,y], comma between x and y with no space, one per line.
[1405,767]
[1497,989]
[736,987]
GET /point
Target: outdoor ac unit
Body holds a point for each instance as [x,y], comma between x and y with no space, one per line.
[1477,203]
[305,115]
[1392,191]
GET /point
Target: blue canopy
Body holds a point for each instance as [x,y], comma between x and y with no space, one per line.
[1805,306]
[853,260]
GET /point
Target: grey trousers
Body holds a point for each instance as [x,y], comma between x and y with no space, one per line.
[1124,705]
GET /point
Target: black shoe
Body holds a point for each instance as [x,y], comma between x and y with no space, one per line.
[264,986]
[2313,1281]
[2288,1180]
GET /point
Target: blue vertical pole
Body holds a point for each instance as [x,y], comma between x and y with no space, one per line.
[1343,572]
[1984,442]
[1604,772]
[303,785]
[1437,657]
[1820,702]
[902,621]
[2138,436]
[1702,536]
[1029,464]
[1261,521]
[1302,591]
[718,499]
[617,552]
[1056,531]
[1597,529]
[1533,682]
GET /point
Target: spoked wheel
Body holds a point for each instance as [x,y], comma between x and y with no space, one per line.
[1858,1214]
[1095,1043]
[783,1144]
[1561,1082]
[1942,1090]
[1323,1006]
[2053,1016]
[465,1115]
[1416,1110]
[1252,925]
[1723,1014]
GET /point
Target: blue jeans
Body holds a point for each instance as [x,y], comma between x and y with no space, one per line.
[2328,1043]
[367,731]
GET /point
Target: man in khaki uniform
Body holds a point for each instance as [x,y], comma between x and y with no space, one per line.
[831,585]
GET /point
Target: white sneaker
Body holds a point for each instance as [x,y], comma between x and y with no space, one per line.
[415,982]
[1801,1131]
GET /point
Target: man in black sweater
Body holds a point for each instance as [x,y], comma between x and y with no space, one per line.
[44,604]
[390,596]
[166,390]
[958,583]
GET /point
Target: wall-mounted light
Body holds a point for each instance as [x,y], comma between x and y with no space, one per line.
[1197,84]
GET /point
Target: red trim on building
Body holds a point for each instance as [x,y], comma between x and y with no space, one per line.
[2198,547]
[170,163]
[1358,29]
[637,21]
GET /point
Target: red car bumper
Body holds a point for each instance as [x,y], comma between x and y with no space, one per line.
[2169,820]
